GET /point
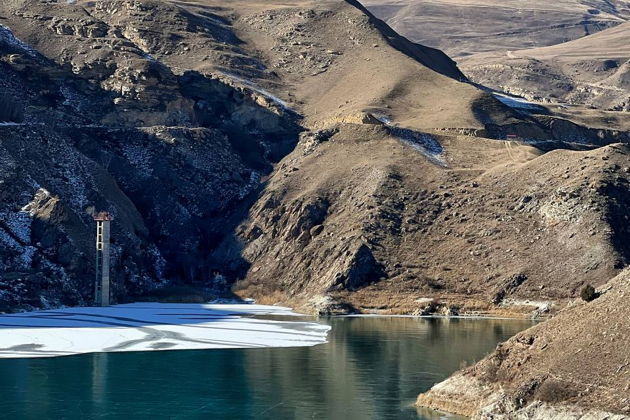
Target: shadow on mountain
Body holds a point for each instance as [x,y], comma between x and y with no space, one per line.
[429,57]
[176,177]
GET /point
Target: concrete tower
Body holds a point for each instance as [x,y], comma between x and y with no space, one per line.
[101,284]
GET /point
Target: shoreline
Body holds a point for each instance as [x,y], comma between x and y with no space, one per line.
[460,395]
[367,303]
[573,366]
[466,317]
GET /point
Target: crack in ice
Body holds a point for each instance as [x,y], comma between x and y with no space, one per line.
[152,327]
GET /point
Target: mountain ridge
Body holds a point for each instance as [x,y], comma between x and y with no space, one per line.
[569,53]
[238,141]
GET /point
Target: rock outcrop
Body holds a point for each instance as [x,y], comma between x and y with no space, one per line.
[92,122]
[575,365]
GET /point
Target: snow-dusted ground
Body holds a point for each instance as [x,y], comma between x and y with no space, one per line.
[6,35]
[518,103]
[270,96]
[150,327]
[421,142]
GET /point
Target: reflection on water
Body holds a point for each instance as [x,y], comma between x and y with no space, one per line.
[372,368]
[99,380]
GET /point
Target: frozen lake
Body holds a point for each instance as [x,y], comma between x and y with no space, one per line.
[369,368]
[151,327]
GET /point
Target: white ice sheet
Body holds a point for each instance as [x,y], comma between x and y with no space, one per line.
[150,327]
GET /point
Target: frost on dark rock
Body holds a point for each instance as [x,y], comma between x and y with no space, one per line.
[105,125]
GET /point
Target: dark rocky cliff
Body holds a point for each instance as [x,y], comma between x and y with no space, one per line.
[91,122]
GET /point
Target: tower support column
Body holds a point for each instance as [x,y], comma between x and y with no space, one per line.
[102,282]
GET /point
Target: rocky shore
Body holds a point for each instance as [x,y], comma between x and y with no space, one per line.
[574,366]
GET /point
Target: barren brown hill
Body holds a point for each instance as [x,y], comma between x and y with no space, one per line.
[410,216]
[466,27]
[593,70]
[148,108]
[299,148]
[574,366]
[332,61]
[571,52]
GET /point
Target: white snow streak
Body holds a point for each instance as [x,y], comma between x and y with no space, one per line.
[7,36]
[273,98]
[517,103]
[424,143]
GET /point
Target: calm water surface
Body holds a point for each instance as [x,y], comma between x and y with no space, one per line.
[372,368]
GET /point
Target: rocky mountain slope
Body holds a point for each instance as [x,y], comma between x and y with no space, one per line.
[466,27]
[472,221]
[571,52]
[392,224]
[575,365]
[594,70]
[301,149]
[91,121]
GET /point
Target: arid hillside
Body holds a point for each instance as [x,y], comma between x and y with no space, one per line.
[594,70]
[466,27]
[301,150]
[91,121]
[411,216]
[575,365]
[568,52]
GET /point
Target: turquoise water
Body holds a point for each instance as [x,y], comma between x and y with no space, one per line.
[372,368]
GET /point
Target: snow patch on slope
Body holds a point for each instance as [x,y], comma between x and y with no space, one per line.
[424,143]
[517,103]
[270,96]
[7,36]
